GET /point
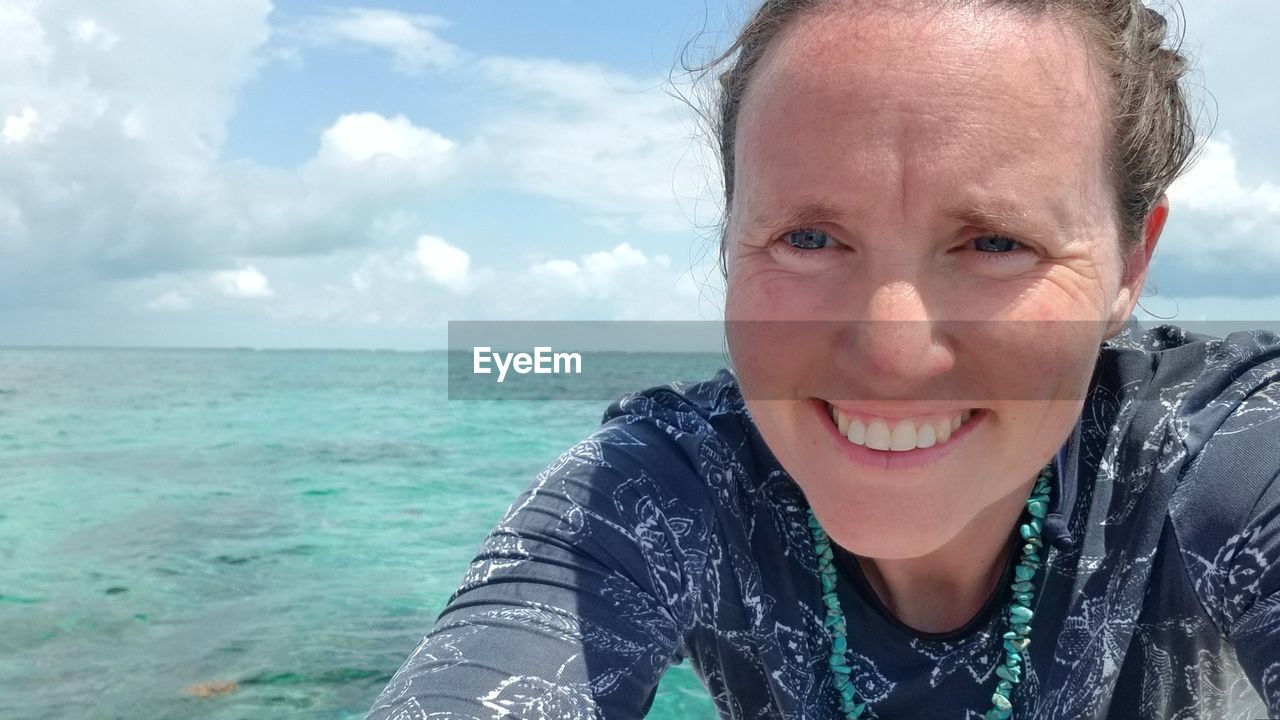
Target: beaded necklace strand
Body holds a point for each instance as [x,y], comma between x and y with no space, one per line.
[1016,638]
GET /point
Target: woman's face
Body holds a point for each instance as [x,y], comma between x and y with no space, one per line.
[921,199]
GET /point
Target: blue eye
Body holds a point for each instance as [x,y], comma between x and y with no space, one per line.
[997,250]
[808,239]
[1002,245]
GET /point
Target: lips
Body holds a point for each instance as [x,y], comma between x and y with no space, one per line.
[898,435]
[890,459]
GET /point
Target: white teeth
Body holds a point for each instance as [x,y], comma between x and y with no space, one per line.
[925,436]
[857,432]
[878,437]
[902,435]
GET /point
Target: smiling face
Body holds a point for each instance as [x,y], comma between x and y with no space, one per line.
[900,174]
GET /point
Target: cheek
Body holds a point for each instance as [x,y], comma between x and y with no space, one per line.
[772,357]
[762,288]
[1067,311]
[1080,290]
[1037,355]
[778,341]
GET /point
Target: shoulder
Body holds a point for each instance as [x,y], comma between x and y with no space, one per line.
[703,424]
[630,497]
[1229,422]
[1195,389]
[660,443]
[707,407]
[695,443]
[1218,445]
[1222,400]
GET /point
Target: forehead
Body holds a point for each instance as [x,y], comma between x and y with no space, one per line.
[964,96]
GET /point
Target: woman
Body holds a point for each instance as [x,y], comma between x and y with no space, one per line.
[949,477]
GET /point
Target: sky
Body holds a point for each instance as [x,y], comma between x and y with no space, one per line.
[242,173]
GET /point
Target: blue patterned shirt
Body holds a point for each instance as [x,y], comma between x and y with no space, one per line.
[672,533]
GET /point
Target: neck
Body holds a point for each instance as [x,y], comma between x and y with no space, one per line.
[944,590]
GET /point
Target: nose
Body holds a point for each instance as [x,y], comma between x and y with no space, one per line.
[894,346]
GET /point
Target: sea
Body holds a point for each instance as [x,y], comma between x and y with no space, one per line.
[232,534]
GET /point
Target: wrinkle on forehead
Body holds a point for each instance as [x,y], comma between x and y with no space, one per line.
[935,35]
[969,75]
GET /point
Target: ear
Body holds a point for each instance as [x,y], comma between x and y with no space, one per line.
[1137,262]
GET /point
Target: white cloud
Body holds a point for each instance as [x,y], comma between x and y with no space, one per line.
[94,201]
[424,283]
[247,282]
[596,275]
[614,143]
[24,44]
[443,263]
[360,137]
[410,39]
[89,32]
[18,127]
[394,283]
[180,66]
[127,179]
[114,169]
[411,284]
[359,189]
[133,127]
[1227,41]
[622,283]
[1221,221]
[1214,186]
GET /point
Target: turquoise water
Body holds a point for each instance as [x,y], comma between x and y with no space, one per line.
[290,522]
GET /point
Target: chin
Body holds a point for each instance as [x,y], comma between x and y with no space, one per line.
[882,537]
[874,522]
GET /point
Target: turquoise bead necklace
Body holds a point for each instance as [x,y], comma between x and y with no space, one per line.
[1018,617]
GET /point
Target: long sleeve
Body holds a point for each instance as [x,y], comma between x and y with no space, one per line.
[1254,591]
[581,596]
[1229,517]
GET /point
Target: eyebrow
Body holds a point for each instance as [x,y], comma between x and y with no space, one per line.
[1006,217]
[996,215]
[810,211]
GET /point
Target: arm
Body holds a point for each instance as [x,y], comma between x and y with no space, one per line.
[580,597]
[1252,596]
[1233,486]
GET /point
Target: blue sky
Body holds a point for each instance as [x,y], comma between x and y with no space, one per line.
[297,174]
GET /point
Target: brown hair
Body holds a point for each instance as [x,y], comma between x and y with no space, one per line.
[1153,131]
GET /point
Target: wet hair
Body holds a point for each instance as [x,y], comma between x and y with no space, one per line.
[1153,134]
